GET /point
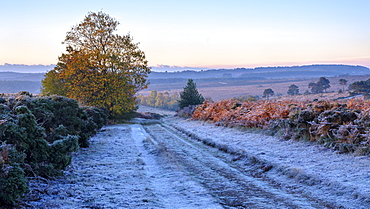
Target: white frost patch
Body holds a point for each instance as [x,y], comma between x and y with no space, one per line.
[168,182]
[340,178]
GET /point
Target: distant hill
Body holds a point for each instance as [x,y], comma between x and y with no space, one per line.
[13,76]
[20,68]
[168,68]
[309,71]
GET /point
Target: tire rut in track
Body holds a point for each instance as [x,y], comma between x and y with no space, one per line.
[233,187]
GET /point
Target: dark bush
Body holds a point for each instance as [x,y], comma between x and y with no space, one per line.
[60,151]
[98,115]
[53,111]
[38,136]
[26,93]
[13,183]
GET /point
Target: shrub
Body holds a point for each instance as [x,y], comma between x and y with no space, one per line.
[13,183]
[98,115]
[61,150]
[53,111]
[38,136]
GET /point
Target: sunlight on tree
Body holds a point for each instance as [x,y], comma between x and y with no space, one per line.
[100,68]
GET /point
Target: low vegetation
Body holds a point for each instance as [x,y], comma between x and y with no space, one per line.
[38,135]
[343,126]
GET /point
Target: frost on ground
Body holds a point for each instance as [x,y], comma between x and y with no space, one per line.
[120,169]
[166,165]
[299,166]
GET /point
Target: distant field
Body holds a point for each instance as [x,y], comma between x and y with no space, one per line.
[229,88]
[219,84]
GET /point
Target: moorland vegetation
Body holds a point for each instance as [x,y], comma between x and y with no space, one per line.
[38,135]
[100,73]
[341,125]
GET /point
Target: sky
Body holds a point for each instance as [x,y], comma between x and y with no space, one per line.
[199,33]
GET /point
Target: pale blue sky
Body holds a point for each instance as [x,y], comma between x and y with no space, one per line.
[199,33]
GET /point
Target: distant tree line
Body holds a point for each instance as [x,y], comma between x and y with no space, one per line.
[321,86]
[188,97]
[160,100]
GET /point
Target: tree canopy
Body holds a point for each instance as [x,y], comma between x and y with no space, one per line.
[320,86]
[343,82]
[293,90]
[268,93]
[161,100]
[360,87]
[190,95]
[100,68]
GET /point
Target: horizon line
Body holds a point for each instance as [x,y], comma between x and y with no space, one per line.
[211,67]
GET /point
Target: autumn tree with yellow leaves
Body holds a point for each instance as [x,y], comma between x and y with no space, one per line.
[100,68]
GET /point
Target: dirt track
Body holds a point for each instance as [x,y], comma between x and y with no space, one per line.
[156,165]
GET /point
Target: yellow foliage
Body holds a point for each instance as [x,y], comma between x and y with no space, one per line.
[100,68]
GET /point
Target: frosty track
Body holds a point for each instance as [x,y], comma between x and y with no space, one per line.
[232,185]
[172,164]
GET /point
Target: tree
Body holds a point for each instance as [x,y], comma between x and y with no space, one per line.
[268,93]
[99,68]
[293,90]
[321,85]
[52,84]
[315,88]
[152,98]
[190,95]
[360,87]
[160,100]
[324,83]
[343,82]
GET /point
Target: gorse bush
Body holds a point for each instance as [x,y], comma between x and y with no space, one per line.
[55,111]
[44,132]
[340,126]
[13,183]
